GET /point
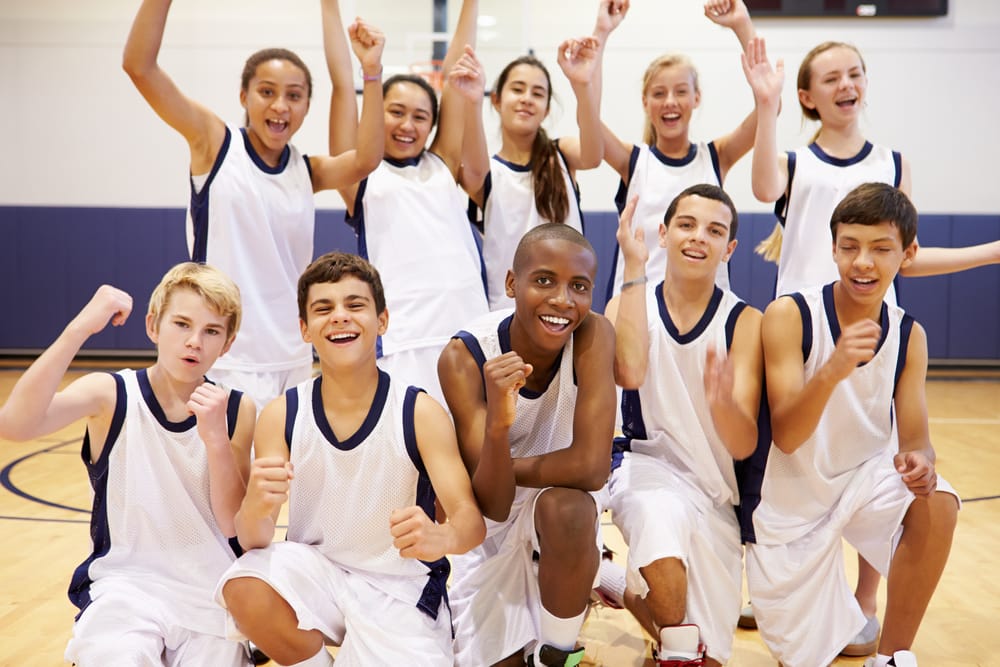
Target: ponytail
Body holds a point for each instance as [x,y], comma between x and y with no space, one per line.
[551,197]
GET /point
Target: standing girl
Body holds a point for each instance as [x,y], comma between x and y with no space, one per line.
[252,210]
[409,215]
[668,161]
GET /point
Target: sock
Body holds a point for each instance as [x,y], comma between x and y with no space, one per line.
[560,633]
[321,659]
[613,581]
[679,641]
[882,660]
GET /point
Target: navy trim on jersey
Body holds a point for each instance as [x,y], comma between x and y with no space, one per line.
[309,167]
[503,333]
[633,425]
[621,196]
[781,206]
[233,411]
[905,328]
[259,161]
[366,428]
[405,162]
[831,316]
[713,153]
[897,162]
[675,161]
[200,202]
[487,189]
[734,316]
[472,345]
[513,166]
[750,471]
[436,588]
[699,328]
[807,327]
[100,534]
[291,410]
[157,410]
[235,546]
[841,161]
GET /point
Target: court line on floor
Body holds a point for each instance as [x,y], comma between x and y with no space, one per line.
[7,483]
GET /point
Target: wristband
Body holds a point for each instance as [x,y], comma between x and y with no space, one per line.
[633,283]
[374,77]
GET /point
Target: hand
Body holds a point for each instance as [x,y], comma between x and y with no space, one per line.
[208,404]
[917,472]
[416,536]
[268,487]
[719,379]
[632,244]
[765,81]
[109,304]
[504,376]
[579,58]
[468,77]
[856,345]
[727,13]
[367,42]
[610,14]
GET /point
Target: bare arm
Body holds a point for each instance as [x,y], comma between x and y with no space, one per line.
[769,172]
[270,477]
[585,464]
[451,119]
[610,14]
[415,534]
[350,167]
[580,62]
[469,80]
[343,131]
[203,130]
[938,261]
[35,407]
[916,458]
[733,383]
[483,416]
[627,311]
[796,403]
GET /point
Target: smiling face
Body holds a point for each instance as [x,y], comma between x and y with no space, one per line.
[697,236]
[523,102]
[868,258]
[409,118]
[670,96]
[341,321]
[276,100]
[832,85]
[189,335]
[552,286]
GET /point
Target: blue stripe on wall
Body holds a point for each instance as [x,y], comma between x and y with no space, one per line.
[53,258]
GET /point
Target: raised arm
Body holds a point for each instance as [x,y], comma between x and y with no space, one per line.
[343,131]
[483,415]
[469,80]
[415,534]
[733,383]
[796,404]
[915,460]
[203,130]
[451,119]
[627,311]
[938,261]
[769,173]
[345,171]
[580,61]
[586,463]
[610,14]
[35,407]
[270,478]
[228,458]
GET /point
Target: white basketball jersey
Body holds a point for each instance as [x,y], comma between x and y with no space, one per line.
[818,182]
[668,417]
[656,179]
[508,212]
[544,422]
[856,426]
[255,223]
[412,225]
[152,520]
[345,491]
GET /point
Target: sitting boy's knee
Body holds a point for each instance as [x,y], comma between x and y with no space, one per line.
[568,515]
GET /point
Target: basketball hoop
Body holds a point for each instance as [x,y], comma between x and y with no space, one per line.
[431,71]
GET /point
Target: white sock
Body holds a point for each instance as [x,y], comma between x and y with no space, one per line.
[679,641]
[613,580]
[321,659]
[558,632]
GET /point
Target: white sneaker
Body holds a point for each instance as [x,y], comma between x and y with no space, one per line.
[866,641]
[898,659]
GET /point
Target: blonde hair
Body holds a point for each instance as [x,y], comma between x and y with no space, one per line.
[661,63]
[770,248]
[208,282]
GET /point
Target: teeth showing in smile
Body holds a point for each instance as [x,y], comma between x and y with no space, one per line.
[864,281]
[557,321]
[277,124]
[671,116]
[696,254]
[342,337]
[403,140]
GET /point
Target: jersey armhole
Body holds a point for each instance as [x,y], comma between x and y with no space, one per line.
[800,301]
[291,410]
[905,329]
[99,467]
[781,206]
[734,316]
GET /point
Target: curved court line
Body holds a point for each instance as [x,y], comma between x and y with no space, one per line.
[6,482]
[41,520]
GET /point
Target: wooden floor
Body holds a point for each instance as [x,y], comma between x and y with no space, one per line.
[44,498]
